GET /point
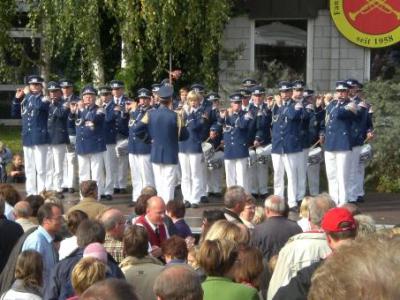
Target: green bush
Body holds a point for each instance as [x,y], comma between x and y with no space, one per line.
[384,169]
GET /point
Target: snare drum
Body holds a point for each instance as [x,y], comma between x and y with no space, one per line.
[315,156]
[208,150]
[263,154]
[252,159]
[122,148]
[366,153]
[215,164]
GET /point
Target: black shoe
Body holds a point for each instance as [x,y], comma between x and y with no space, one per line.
[108,197]
[122,191]
[210,194]
[187,204]
[102,197]
[254,195]
[65,190]
[264,196]
[360,199]
[194,205]
[116,190]
[217,195]
[203,200]
[71,190]
[132,204]
[294,209]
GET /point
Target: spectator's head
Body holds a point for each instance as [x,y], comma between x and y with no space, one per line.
[368,268]
[319,205]
[96,250]
[17,160]
[274,206]
[115,289]
[176,209]
[249,209]
[54,199]
[22,210]
[259,215]
[75,218]
[235,199]
[365,225]
[352,208]
[50,217]
[136,241]
[304,207]
[178,282]
[174,248]
[155,211]
[149,190]
[217,257]
[88,189]
[141,204]
[339,226]
[193,257]
[249,266]
[87,272]
[114,223]
[9,194]
[35,201]
[29,268]
[90,231]
[209,218]
[224,229]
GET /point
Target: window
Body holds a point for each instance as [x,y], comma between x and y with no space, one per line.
[282,44]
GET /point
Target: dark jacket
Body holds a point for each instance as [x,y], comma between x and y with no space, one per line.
[298,286]
[60,286]
[271,235]
[9,235]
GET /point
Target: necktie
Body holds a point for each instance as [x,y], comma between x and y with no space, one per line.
[157,232]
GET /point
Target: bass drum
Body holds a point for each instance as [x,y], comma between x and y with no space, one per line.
[208,150]
[252,159]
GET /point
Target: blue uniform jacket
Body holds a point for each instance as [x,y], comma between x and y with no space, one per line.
[286,129]
[57,123]
[71,122]
[110,123]
[90,139]
[362,124]
[316,125]
[195,124]
[16,108]
[338,122]
[162,128]
[236,135]
[138,145]
[262,124]
[305,125]
[123,119]
[34,114]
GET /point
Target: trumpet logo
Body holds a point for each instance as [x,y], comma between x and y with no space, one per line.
[371,5]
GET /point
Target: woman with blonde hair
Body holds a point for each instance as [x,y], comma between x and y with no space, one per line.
[224,229]
[190,152]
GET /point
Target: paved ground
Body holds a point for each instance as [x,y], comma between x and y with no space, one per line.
[383,207]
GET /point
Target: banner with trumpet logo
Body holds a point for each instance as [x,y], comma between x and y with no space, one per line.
[368,23]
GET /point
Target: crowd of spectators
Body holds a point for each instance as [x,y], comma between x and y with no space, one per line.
[96,252]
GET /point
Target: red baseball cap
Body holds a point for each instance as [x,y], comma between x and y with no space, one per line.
[336,216]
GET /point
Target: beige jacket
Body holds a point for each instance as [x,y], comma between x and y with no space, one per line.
[90,206]
[299,252]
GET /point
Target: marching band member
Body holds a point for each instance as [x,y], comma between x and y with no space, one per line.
[286,143]
[262,131]
[155,99]
[164,128]
[139,149]
[58,135]
[90,143]
[236,124]
[215,175]
[362,130]
[316,128]
[35,137]
[190,153]
[120,100]
[70,162]
[111,115]
[213,98]
[249,83]
[340,114]
[246,96]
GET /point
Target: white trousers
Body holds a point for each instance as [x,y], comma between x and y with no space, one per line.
[355,174]
[338,164]
[192,180]
[214,177]
[70,166]
[141,173]
[110,166]
[302,175]
[360,181]
[288,163]
[35,168]
[237,173]
[55,159]
[91,167]
[313,172]
[164,177]
[259,178]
